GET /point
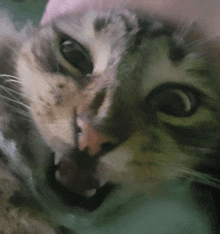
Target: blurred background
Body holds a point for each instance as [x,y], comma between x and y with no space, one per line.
[206,12]
[21,10]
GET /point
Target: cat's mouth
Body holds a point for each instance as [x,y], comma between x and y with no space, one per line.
[77,186]
[74,174]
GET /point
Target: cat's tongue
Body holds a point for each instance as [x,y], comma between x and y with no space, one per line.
[79,180]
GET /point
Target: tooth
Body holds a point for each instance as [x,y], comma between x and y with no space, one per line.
[57,175]
[57,158]
[102,182]
[89,193]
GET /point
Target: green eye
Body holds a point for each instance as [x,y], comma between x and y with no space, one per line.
[76,55]
[175,100]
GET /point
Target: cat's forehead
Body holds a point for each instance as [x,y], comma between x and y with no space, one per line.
[94,22]
[90,27]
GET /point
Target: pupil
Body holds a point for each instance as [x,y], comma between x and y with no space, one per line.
[174,104]
[181,101]
[77,56]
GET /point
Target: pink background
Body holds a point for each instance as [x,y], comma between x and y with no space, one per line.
[206,12]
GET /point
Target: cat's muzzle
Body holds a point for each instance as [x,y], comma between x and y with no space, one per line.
[75,172]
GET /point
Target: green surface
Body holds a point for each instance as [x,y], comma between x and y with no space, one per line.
[23,10]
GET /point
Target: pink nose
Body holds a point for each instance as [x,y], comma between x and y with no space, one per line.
[93,140]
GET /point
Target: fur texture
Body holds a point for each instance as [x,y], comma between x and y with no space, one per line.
[115,102]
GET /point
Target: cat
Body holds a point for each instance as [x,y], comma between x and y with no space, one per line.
[110,121]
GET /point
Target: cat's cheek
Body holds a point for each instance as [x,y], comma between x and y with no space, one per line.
[53,131]
[137,164]
[109,172]
[116,168]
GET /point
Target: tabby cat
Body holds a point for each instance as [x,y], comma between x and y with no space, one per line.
[110,121]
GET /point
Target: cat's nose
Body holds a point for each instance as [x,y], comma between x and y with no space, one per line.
[94,141]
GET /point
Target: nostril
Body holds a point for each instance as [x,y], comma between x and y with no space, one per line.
[78,129]
[108,146]
[96,142]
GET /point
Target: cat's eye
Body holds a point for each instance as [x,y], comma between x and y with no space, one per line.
[179,101]
[77,55]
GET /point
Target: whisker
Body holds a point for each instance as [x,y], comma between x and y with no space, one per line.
[15,85]
[18,110]
[13,91]
[18,102]
[184,31]
[10,76]
[15,81]
[48,84]
[10,91]
[26,119]
[201,177]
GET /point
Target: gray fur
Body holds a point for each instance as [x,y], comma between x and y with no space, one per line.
[141,58]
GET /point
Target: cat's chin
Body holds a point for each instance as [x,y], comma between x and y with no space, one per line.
[81,189]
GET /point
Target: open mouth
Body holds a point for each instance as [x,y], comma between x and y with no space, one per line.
[73,198]
[74,178]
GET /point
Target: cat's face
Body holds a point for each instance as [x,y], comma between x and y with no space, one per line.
[140,101]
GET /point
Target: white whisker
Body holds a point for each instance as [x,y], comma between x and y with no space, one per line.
[200,177]
[10,76]
[18,110]
[10,91]
[184,31]
[13,91]
[14,81]
[26,119]
[18,102]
